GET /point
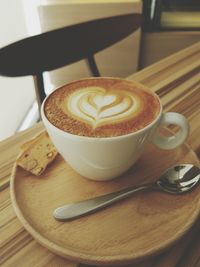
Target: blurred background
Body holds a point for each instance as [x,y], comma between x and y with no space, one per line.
[168,26]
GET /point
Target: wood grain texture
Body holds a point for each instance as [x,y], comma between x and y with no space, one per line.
[153,220]
[10,149]
[161,76]
[17,247]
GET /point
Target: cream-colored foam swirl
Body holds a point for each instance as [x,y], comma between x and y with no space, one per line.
[98,106]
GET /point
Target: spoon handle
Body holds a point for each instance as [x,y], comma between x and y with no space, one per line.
[75,210]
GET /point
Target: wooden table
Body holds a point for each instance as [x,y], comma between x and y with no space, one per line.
[176,80]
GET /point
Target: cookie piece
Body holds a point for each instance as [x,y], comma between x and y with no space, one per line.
[37,154]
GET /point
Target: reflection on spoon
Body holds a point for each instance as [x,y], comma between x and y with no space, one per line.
[175,180]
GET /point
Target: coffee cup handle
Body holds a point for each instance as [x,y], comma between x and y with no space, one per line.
[173,141]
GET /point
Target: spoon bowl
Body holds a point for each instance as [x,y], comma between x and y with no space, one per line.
[175,180]
[179,179]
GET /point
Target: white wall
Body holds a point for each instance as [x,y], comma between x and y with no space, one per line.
[16,94]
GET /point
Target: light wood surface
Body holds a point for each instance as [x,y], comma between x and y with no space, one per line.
[177,72]
[153,220]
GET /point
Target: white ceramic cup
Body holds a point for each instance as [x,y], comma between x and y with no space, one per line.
[104,158]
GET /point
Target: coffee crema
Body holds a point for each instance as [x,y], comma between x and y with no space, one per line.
[101,107]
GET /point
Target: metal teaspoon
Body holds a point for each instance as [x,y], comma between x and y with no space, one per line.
[175,180]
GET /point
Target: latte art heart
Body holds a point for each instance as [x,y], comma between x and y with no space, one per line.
[101,107]
[97,106]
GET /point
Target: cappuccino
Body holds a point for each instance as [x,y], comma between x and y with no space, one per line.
[102,107]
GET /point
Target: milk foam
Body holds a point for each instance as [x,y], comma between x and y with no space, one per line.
[98,106]
[102,107]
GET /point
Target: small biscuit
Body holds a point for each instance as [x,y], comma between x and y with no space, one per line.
[37,154]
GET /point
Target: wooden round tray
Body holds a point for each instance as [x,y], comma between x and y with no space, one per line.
[128,231]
